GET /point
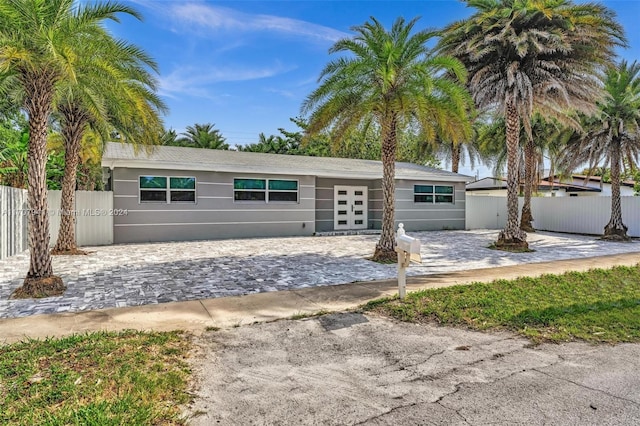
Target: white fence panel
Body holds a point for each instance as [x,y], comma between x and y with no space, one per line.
[486,212]
[631,215]
[580,215]
[13,221]
[94,217]
[53,206]
[94,222]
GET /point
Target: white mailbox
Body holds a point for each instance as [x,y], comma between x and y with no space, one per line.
[408,246]
[408,249]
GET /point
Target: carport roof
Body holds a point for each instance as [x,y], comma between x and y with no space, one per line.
[197,159]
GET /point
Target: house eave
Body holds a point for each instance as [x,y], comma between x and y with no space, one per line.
[222,168]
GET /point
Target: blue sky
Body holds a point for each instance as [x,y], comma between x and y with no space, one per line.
[248,65]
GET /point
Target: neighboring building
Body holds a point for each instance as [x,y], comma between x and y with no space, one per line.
[175,193]
[492,186]
[595,182]
[496,187]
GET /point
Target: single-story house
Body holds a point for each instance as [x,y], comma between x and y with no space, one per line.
[493,186]
[176,193]
[595,182]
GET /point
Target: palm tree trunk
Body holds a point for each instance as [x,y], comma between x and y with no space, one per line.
[385,249]
[455,157]
[73,126]
[615,229]
[512,237]
[529,176]
[40,280]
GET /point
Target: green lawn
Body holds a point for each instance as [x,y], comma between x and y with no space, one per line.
[596,306]
[128,378]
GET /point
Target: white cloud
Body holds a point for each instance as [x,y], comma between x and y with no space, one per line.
[197,81]
[283,93]
[226,19]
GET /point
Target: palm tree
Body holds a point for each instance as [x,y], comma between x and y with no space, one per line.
[168,137]
[89,176]
[203,136]
[457,153]
[13,161]
[531,55]
[613,136]
[41,42]
[112,90]
[546,136]
[391,80]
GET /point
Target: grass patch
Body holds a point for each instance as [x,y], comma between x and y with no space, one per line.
[601,305]
[99,378]
[304,315]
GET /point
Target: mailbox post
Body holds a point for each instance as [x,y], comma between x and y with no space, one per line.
[408,249]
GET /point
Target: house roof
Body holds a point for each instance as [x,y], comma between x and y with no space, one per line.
[490,183]
[197,159]
[487,183]
[592,179]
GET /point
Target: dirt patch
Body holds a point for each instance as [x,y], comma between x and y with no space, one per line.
[37,288]
[72,252]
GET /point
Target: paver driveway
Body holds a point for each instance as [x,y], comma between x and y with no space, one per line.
[139,274]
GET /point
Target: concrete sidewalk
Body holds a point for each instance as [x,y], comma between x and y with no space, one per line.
[195,316]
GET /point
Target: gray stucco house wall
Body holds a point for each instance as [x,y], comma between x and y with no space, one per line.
[177,194]
[213,215]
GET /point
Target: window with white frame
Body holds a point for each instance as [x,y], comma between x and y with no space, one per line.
[165,189]
[433,194]
[283,190]
[266,190]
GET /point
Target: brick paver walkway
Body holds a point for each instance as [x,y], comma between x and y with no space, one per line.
[140,274]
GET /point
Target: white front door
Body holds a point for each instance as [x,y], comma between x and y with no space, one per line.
[350,207]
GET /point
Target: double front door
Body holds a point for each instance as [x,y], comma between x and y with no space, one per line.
[350,207]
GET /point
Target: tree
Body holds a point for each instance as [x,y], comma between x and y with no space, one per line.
[13,158]
[89,175]
[113,90]
[546,137]
[531,55]
[41,46]
[613,137]
[169,137]
[353,145]
[271,144]
[393,81]
[203,136]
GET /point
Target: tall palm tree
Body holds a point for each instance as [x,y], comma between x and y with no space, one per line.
[613,136]
[203,136]
[392,80]
[531,55]
[40,42]
[113,89]
[546,136]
